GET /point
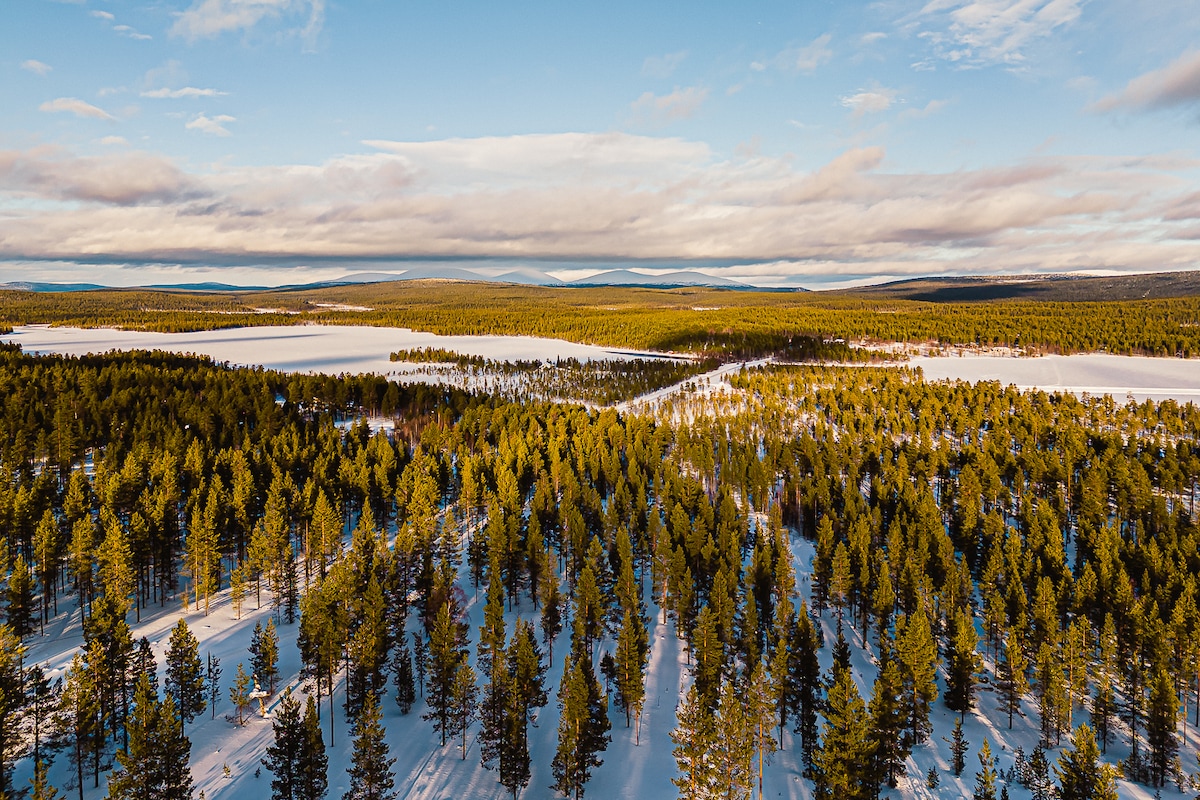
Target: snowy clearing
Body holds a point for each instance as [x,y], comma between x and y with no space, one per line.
[1140,377]
[330,349]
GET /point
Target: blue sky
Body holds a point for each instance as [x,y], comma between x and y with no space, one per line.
[810,144]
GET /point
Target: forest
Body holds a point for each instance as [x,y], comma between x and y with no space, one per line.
[843,556]
[722,323]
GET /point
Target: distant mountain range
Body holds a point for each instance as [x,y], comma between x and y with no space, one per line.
[526,276]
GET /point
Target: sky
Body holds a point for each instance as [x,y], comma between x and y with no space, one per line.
[809,144]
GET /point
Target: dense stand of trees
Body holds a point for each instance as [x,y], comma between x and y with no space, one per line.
[728,323]
[956,530]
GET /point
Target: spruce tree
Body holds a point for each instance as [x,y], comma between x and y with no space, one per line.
[1081,774]
[185,672]
[371,776]
[551,620]
[583,726]
[283,755]
[313,765]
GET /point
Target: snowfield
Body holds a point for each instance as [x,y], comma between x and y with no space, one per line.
[330,349]
[1096,374]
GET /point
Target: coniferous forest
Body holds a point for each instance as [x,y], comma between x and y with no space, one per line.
[870,585]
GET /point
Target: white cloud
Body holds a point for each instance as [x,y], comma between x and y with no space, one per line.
[869,101]
[132,33]
[76,107]
[932,107]
[114,141]
[186,91]
[974,33]
[36,67]
[679,104]
[213,125]
[104,15]
[206,18]
[663,66]
[872,37]
[1176,84]
[808,58]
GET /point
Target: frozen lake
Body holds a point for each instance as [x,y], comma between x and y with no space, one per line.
[328,349]
[1093,373]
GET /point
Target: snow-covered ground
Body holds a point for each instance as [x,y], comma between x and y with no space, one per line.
[1091,373]
[331,349]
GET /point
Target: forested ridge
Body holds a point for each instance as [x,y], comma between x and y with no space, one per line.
[719,322]
[1006,555]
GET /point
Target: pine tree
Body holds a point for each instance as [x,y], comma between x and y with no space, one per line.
[962,662]
[283,755]
[185,672]
[842,764]
[239,693]
[888,719]
[1162,718]
[1052,693]
[155,762]
[583,726]
[1010,679]
[917,654]
[463,704]
[144,663]
[445,654]
[958,748]
[985,778]
[1081,774]
[525,694]
[371,776]
[1104,704]
[806,672]
[40,785]
[313,765]
[20,598]
[406,690]
[212,682]
[368,648]
[264,655]
[631,658]
[694,738]
[12,656]
[551,620]
[81,719]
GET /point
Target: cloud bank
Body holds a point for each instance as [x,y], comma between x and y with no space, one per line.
[1176,84]
[605,196]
